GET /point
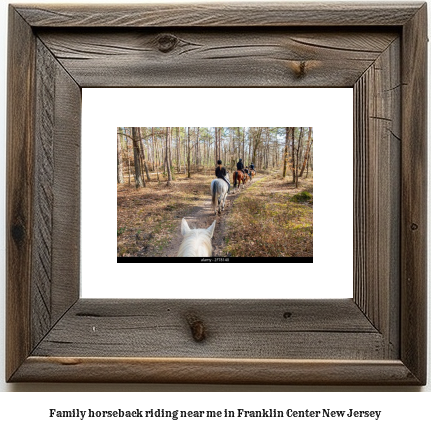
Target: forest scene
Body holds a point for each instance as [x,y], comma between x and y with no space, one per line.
[173,198]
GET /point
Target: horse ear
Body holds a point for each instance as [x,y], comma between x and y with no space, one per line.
[184,227]
[210,230]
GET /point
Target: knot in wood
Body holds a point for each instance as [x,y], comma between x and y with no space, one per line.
[18,233]
[197,328]
[301,69]
[414,226]
[167,42]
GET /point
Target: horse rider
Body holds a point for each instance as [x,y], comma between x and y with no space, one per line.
[220,172]
[252,169]
[240,166]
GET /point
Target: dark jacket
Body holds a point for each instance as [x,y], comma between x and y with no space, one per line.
[220,173]
[240,166]
[252,166]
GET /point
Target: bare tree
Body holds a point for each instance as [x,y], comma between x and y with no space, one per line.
[167,154]
[188,153]
[178,151]
[298,151]
[139,179]
[128,159]
[307,151]
[192,147]
[293,155]
[216,156]
[286,146]
[197,149]
[155,153]
[120,177]
[142,150]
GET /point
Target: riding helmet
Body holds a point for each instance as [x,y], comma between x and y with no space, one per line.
[219,162]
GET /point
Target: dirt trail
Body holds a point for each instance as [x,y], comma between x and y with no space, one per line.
[202,217]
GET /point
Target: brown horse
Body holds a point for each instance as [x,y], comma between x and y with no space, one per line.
[239,178]
[245,179]
[252,174]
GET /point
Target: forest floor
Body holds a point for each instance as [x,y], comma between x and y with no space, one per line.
[261,220]
[271,218]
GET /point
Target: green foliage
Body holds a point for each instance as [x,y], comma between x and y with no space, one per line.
[120,231]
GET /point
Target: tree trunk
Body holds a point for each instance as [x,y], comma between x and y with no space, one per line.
[243,146]
[120,177]
[154,148]
[215,145]
[128,161]
[250,145]
[299,147]
[257,142]
[307,152]
[219,144]
[188,153]
[293,156]
[178,151]
[197,149]
[144,161]
[156,160]
[171,165]
[167,154]
[139,179]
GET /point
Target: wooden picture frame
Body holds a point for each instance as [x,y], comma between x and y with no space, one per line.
[378,337]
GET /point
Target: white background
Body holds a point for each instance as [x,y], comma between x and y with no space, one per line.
[328,111]
[405,409]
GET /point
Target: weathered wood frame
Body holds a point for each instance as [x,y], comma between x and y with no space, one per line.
[378,337]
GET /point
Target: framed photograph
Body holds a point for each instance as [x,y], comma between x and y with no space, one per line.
[184,213]
[269,221]
[376,337]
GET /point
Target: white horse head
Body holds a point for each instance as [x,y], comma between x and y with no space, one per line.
[196,242]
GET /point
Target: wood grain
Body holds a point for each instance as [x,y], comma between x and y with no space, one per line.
[377,174]
[66,191]
[55,278]
[413,192]
[214,58]
[221,15]
[377,338]
[43,194]
[216,371]
[19,200]
[238,329]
